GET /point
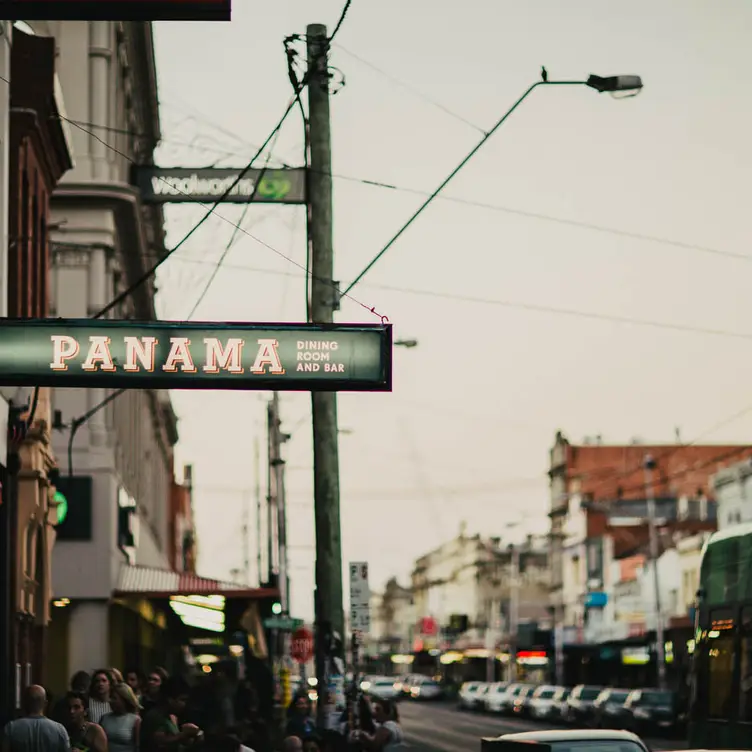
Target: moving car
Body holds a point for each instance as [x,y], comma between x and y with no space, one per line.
[568,740]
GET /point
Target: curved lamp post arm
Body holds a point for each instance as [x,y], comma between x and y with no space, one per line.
[453,174]
[611,84]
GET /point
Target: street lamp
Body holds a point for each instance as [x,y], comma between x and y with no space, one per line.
[649,465]
[625,85]
[615,84]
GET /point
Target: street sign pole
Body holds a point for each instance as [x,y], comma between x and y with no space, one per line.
[360,623]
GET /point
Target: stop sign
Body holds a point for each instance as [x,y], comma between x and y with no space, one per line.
[301,647]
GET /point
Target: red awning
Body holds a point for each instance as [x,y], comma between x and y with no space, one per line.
[149,582]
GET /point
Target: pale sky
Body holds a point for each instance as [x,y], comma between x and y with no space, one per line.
[500,366]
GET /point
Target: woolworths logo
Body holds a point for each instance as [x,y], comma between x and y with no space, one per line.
[196,186]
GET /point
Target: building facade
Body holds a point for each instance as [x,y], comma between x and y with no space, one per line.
[183,546]
[119,484]
[733,489]
[39,153]
[599,526]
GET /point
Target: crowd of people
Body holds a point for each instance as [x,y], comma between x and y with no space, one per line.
[107,711]
[364,726]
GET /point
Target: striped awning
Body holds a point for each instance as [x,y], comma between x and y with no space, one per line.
[149,582]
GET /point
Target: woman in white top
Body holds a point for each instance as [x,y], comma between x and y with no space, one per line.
[99,694]
[123,724]
[388,735]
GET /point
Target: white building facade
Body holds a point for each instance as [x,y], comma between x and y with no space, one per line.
[733,490]
[104,240]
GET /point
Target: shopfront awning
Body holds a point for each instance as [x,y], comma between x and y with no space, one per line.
[149,582]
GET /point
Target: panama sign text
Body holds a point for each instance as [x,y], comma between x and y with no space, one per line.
[177,355]
[204,185]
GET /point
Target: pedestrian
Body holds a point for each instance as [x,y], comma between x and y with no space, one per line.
[159,727]
[156,678]
[99,694]
[292,743]
[388,734]
[84,735]
[79,683]
[300,722]
[135,680]
[34,732]
[116,676]
[123,724]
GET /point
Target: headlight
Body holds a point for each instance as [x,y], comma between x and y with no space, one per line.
[365,685]
[397,686]
[415,692]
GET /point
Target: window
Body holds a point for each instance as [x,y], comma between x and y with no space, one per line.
[719,665]
[745,666]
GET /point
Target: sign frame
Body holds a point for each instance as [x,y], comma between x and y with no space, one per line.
[360,597]
[116,10]
[295,357]
[283,623]
[183,185]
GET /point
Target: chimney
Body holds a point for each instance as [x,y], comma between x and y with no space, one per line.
[188,476]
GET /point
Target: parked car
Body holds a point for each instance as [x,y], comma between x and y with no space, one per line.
[381,688]
[651,710]
[608,710]
[467,694]
[481,697]
[540,704]
[580,703]
[495,690]
[404,684]
[559,704]
[520,706]
[506,702]
[579,739]
[426,689]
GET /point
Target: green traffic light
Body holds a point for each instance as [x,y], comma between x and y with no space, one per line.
[62,506]
[276,608]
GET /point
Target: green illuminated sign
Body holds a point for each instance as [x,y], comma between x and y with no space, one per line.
[204,185]
[178,355]
[62,507]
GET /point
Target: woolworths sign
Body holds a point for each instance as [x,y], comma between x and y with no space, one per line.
[181,185]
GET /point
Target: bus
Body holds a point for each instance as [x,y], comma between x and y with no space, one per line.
[720,714]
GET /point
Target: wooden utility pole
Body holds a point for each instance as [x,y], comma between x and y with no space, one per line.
[330,617]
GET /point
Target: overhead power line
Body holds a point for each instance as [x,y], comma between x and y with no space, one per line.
[412,89]
[512,304]
[235,233]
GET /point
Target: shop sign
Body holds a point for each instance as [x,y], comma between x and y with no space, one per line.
[205,185]
[181,355]
[115,10]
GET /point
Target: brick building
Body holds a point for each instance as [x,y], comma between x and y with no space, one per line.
[599,513]
[39,154]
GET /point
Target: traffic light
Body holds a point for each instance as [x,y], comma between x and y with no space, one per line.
[59,498]
[276,608]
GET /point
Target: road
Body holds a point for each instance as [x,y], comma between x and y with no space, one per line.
[440,727]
